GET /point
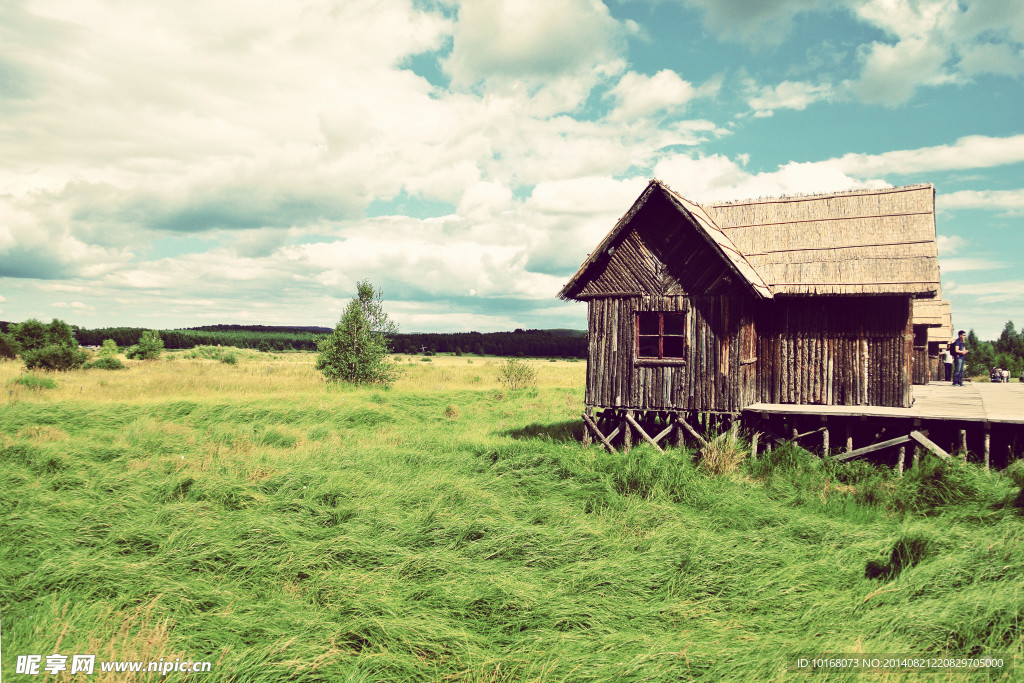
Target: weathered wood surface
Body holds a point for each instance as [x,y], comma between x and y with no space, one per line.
[973,402]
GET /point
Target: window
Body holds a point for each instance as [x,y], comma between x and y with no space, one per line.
[661,335]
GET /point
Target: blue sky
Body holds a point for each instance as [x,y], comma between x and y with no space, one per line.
[188,163]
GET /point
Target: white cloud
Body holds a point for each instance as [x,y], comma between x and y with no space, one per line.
[1008,200]
[948,245]
[718,178]
[755,22]
[638,96]
[959,265]
[786,95]
[532,41]
[891,74]
[975,151]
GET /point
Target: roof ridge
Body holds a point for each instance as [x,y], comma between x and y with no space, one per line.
[799,197]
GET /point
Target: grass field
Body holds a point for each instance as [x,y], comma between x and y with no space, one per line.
[447,529]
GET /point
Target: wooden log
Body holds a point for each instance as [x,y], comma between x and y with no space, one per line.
[988,444]
[640,430]
[901,455]
[871,449]
[589,422]
[686,425]
[627,436]
[923,440]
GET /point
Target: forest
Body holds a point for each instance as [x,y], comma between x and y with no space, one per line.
[1006,352]
[520,342]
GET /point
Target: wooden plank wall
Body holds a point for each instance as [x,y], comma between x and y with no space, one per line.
[843,351]
[710,377]
[839,351]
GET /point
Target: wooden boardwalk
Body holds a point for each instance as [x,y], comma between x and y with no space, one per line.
[981,402]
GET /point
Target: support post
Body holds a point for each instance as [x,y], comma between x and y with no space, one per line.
[627,435]
[899,460]
[824,437]
[963,443]
[587,440]
[849,438]
[988,444]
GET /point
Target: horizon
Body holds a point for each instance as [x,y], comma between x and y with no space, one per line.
[252,163]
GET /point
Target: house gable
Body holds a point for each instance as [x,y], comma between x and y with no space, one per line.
[664,246]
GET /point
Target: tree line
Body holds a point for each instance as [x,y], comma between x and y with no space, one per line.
[555,343]
[1005,352]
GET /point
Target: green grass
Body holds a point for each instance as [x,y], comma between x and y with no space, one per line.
[446,529]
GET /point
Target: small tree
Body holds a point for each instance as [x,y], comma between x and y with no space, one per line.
[357,350]
[109,348]
[149,347]
[517,374]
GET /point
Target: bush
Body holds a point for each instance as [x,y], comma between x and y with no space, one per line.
[149,347]
[34,382]
[109,349]
[7,347]
[517,374]
[54,357]
[229,357]
[105,363]
[47,347]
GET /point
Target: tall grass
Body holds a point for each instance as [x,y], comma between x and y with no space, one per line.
[446,529]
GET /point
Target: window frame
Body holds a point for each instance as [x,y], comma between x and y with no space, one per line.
[661,358]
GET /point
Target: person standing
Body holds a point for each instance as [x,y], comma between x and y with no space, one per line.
[960,352]
[947,361]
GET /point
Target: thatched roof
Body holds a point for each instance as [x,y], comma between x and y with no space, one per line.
[859,242]
[936,315]
[856,242]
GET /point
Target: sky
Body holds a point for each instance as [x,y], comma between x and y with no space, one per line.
[176,164]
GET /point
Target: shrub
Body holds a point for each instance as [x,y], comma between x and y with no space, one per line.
[105,363]
[229,357]
[722,455]
[35,382]
[54,357]
[452,412]
[149,347]
[7,347]
[47,347]
[517,374]
[109,349]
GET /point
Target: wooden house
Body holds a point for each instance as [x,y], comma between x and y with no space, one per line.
[933,330]
[711,308]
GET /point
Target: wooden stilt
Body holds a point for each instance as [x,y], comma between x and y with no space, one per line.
[753,446]
[963,443]
[627,436]
[700,439]
[606,441]
[824,438]
[849,438]
[988,444]
[587,439]
[902,453]
[640,430]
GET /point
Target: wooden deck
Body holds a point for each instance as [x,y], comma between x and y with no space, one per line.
[981,402]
